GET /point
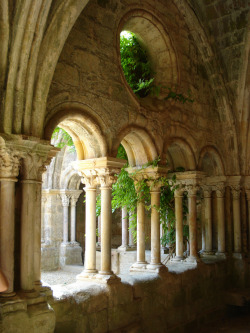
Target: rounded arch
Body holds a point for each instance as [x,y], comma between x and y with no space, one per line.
[179,153]
[139,145]
[84,130]
[210,161]
[152,34]
[70,179]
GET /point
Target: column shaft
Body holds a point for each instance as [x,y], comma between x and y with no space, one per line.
[140,233]
[90,239]
[27,235]
[65,223]
[73,223]
[124,227]
[37,234]
[221,225]
[7,222]
[237,224]
[131,238]
[208,224]
[155,229]
[106,224]
[192,225]
[179,226]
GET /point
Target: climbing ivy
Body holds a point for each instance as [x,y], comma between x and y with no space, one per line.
[63,139]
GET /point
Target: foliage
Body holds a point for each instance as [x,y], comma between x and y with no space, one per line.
[63,139]
[135,65]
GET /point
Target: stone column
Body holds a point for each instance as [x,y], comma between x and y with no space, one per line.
[9,169]
[106,224]
[32,169]
[236,220]
[130,234]
[65,203]
[192,215]
[220,191]
[178,195]
[73,200]
[44,200]
[124,245]
[248,204]
[90,227]
[155,228]
[207,193]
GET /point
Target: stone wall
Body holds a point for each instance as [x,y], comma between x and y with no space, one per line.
[145,303]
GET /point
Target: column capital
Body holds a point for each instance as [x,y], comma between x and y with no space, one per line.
[192,190]
[65,199]
[74,197]
[219,190]
[236,190]
[9,163]
[179,192]
[106,180]
[207,191]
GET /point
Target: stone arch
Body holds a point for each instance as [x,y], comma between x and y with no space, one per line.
[152,34]
[179,153]
[70,179]
[138,144]
[84,130]
[210,161]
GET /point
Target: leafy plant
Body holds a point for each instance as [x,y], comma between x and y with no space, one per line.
[63,139]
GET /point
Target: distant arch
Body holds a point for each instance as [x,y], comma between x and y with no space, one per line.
[210,162]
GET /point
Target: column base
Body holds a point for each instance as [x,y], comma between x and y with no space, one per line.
[193,260]
[7,295]
[156,268]
[237,255]
[87,274]
[221,255]
[98,246]
[205,254]
[139,264]
[126,248]
[29,293]
[177,258]
[70,254]
[105,278]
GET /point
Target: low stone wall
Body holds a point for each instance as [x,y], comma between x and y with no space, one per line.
[171,302]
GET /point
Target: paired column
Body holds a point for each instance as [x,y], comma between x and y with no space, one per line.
[90,227]
[73,201]
[155,228]
[65,203]
[124,245]
[8,173]
[220,191]
[236,219]
[131,242]
[248,204]
[178,196]
[207,193]
[192,190]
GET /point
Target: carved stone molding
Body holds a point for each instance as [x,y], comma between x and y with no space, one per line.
[74,197]
[65,199]
[9,163]
[207,191]
[236,190]
[106,180]
[33,166]
[179,192]
[192,190]
[219,190]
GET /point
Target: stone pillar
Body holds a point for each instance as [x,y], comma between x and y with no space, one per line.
[207,193]
[90,227]
[192,217]
[32,169]
[178,196]
[73,200]
[130,234]
[65,203]
[9,169]
[124,245]
[220,191]
[236,220]
[243,210]
[106,224]
[98,245]
[248,204]
[155,229]
[44,200]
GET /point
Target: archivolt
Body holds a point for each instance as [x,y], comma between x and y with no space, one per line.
[210,161]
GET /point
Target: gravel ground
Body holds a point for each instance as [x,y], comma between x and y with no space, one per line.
[59,277]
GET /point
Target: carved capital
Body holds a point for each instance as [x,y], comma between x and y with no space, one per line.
[207,191]
[74,198]
[89,181]
[9,163]
[219,190]
[106,180]
[33,166]
[192,190]
[179,192]
[65,199]
[235,189]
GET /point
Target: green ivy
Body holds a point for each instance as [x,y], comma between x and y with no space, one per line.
[65,139]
